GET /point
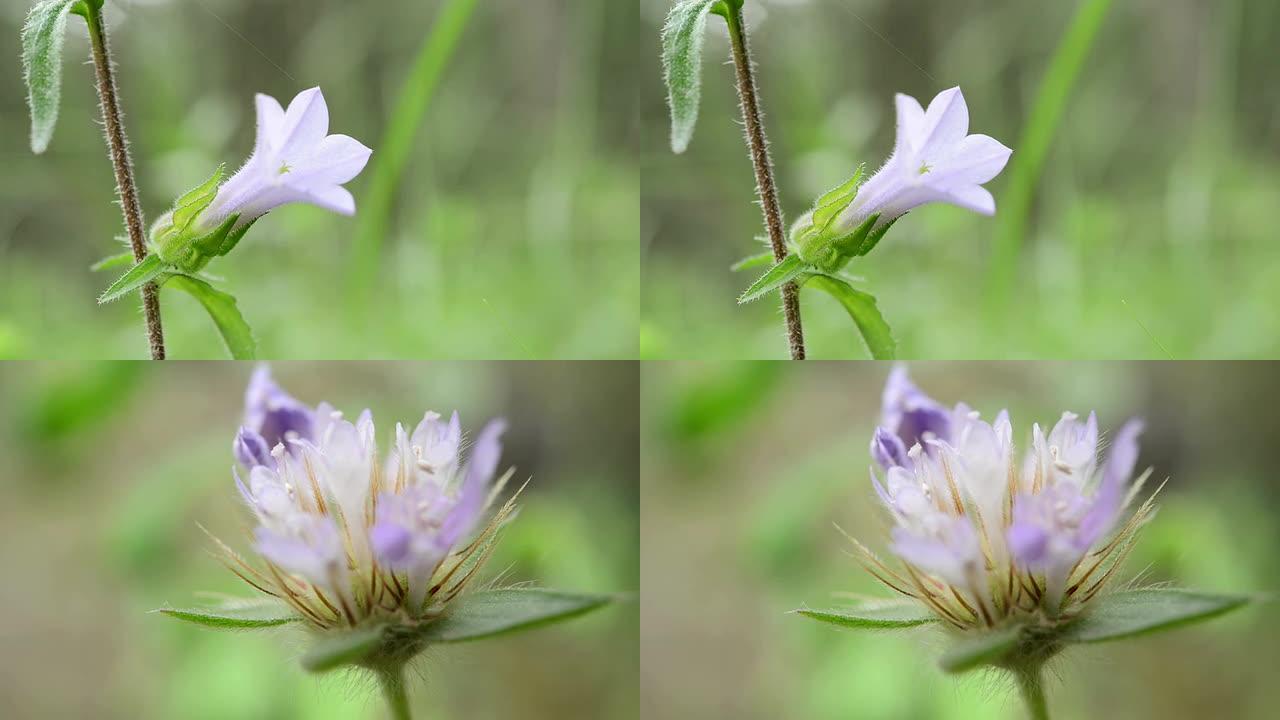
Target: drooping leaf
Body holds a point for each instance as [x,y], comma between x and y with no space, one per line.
[1137,612]
[974,651]
[864,313]
[492,612]
[151,268]
[237,614]
[777,276]
[886,615]
[235,332]
[345,647]
[763,259]
[42,38]
[682,37]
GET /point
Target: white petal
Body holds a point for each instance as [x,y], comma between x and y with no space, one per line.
[305,124]
[333,198]
[337,159]
[972,197]
[945,122]
[973,161]
[270,123]
[910,123]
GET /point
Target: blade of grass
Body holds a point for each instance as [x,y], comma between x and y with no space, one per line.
[396,145]
[1033,146]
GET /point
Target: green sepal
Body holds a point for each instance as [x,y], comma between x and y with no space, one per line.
[237,614]
[495,612]
[873,238]
[190,204]
[862,309]
[986,647]
[763,259]
[878,615]
[236,334]
[1119,615]
[784,272]
[832,202]
[149,270]
[345,647]
[170,235]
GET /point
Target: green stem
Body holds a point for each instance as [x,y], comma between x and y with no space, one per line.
[1032,690]
[126,186]
[766,187]
[393,690]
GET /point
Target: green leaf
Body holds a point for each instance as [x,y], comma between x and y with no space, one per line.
[42,37]
[493,612]
[682,37]
[886,615]
[112,261]
[1137,612]
[151,268]
[976,650]
[347,647]
[222,309]
[864,313]
[238,614]
[764,259]
[786,271]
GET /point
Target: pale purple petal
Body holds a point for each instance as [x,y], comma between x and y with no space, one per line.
[475,485]
[1105,509]
[975,160]
[331,198]
[270,122]
[1029,543]
[946,121]
[305,123]
[887,448]
[972,198]
[251,449]
[390,542]
[910,121]
[336,160]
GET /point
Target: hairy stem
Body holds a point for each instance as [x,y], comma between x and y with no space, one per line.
[766,188]
[126,186]
[1031,687]
[393,690]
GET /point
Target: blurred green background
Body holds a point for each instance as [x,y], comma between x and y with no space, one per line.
[106,470]
[746,467]
[1155,205]
[510,234]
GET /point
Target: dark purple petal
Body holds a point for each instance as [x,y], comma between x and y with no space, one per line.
[911,414]
[251,449]
[273,413]
[887,449]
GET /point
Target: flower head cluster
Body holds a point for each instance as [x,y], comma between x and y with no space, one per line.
[983,536]
[344,536]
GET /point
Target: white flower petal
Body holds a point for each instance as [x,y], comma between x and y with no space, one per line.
[332,198]
[270,122]
[337,159]
[910,122]
[972,197]
[945,122]
[305,124]
[973,161]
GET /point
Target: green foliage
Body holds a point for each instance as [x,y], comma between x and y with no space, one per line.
[775,277]
[863,311]
[763,259]
[348,647]
[222,309]
[149,270]
[886,615]
[237,614]
[42,38]
[396,146]
[980,649]
[1137,612]
[1037,138]
[682,37]
[494,612]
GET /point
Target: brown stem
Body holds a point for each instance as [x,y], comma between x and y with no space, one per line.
[126,187]
[766,189]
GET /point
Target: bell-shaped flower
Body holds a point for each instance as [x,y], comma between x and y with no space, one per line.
[294,159]
[934,159]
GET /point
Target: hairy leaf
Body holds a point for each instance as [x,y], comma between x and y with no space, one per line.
[123,259]
[763,259]
[682,37]
[1137,612]
[864,313]
[235,332]
[42,38]
[777,276]
[151,268]
[974,651]
[346,647]
[492,612]
[237,614]
[886,615]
